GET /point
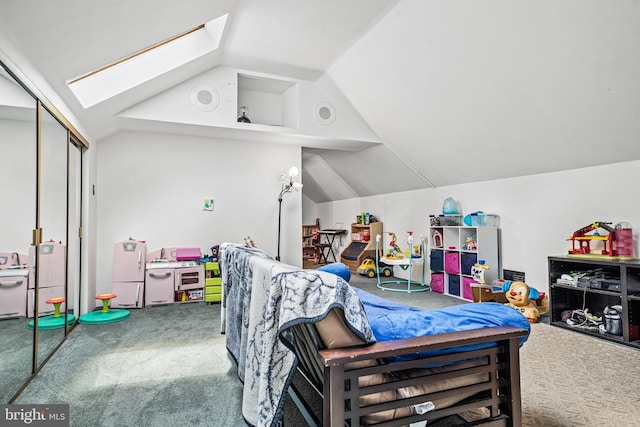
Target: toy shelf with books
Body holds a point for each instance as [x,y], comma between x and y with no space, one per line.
[455,248]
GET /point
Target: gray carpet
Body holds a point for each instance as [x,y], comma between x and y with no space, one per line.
[168,366]
[424,300]
[16,352]
[163,366]
[570,379]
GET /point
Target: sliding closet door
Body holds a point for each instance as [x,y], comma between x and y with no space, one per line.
[17,220]
[74,233]
[51,258]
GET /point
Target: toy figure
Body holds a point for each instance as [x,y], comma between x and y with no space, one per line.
[477,271]
[518,297]
[417,248]
[214,252]
[395,252]
[470,244]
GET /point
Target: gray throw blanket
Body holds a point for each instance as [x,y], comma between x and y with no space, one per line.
[263,299]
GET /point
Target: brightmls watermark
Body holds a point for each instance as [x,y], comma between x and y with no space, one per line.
[56,415]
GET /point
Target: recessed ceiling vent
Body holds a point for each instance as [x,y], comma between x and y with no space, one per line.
[324,113]
[205,98]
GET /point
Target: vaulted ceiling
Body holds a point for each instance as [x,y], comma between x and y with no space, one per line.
[454,91]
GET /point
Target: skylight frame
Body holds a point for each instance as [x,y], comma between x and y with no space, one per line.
[133,70]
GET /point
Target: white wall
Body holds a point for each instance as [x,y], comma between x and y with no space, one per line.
[538,213]
[309,209]
[18,175]
[151,187]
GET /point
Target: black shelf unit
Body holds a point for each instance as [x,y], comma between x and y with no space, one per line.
[568,297]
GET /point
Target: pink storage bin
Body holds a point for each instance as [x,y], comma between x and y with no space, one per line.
[466,288]
[452,262]
[188,254]
[437,282]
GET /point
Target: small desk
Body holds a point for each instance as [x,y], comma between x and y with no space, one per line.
[326,246]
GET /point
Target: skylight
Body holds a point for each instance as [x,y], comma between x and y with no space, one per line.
[126,73]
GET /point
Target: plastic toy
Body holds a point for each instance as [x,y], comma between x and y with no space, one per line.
[368,268]
[477,272]
[450,206]
[518,297]
[106,315]
[214,252]
[394,252]
[614,244]
[437,239]
[415,249]
[470,244]
[54,321]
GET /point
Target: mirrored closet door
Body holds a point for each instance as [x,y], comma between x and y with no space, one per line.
[74,218]
[40,241]
[18,143]
[50,254]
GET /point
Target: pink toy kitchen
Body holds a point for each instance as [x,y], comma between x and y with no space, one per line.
[174,275]
[18,276]
[14,276]
[163,276]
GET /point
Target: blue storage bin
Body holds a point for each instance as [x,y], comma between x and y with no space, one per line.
[436,260]
[454,285]
[466,262]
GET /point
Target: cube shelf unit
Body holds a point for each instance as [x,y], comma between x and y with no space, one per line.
[454,249]
[619,286]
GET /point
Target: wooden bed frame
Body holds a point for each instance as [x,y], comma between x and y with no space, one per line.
[331,374]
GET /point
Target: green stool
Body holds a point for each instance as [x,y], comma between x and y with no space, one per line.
[105,315]
[55,320]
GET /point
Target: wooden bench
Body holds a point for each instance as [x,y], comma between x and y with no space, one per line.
[341,377]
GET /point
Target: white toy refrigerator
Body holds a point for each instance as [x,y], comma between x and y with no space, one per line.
[51,277]
[129,261]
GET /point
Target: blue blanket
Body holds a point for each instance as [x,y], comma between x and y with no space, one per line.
[389,320]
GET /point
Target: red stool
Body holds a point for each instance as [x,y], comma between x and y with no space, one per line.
[105,315]
[55,320]
[105,301]
[56,301]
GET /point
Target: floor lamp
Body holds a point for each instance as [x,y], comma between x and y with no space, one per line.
[287,186]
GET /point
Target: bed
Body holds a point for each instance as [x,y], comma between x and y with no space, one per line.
[371,361]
